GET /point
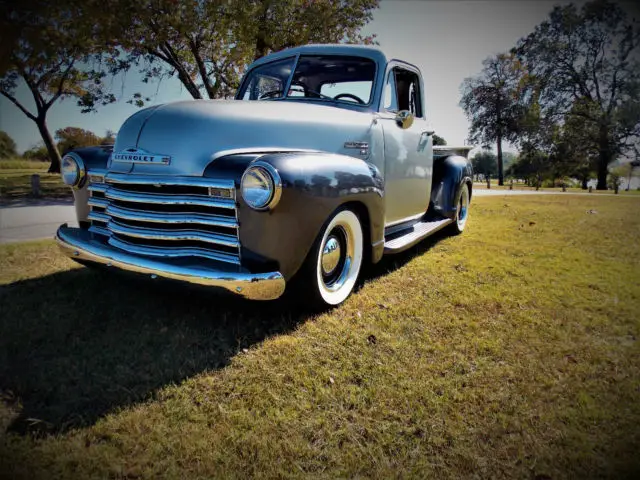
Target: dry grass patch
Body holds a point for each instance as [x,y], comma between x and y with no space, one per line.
[509,351]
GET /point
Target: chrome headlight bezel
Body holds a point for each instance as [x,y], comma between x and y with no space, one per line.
[72,170]
[271,178]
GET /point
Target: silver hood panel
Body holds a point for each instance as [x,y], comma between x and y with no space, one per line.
[194,132]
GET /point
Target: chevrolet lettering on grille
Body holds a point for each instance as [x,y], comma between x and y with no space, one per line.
[133,155]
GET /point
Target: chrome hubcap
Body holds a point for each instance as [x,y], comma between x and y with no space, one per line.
[335,262]
[330,255]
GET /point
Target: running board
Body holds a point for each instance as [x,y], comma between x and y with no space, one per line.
[412,235]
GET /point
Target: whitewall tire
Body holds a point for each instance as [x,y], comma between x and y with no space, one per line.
[462,209]
[334,264]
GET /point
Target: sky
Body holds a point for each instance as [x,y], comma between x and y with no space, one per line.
[447,40]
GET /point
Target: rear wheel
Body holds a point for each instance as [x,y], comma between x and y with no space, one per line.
[462,210]
[331,271]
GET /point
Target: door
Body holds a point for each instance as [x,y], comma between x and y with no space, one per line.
[408,151]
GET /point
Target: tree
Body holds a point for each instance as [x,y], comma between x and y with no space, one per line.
[484,162]
[438,140]
[507,159]
[51,55]
[37,152]
[275,25]
[74,137]
[531,165]
[577,149]
[587,65]
[207,44]
[109,138]
[7,145]
[493,102]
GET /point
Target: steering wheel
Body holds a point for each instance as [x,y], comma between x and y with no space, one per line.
[270,94]
[349,95]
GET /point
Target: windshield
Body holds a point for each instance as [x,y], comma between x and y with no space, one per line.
[320,78]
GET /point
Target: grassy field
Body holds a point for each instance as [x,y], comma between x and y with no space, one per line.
[510,351]
[15,181]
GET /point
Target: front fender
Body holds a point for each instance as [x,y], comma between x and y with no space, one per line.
[314,186]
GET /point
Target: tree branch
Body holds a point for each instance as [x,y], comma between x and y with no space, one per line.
[183,75]
[59,90]
[37,96]
[201,68]
[18,104]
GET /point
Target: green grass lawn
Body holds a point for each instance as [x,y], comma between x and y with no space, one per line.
[509,351]
[15,181]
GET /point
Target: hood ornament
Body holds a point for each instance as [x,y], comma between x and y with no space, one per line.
[138,155]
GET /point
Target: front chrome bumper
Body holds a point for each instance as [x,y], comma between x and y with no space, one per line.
[85,246]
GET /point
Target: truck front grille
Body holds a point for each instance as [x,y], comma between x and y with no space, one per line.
[166,217]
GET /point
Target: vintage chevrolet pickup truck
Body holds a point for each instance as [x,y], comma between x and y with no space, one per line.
[322,162]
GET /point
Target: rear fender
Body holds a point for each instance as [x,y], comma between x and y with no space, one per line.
[449,174]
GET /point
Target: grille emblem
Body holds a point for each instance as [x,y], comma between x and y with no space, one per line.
[137,155]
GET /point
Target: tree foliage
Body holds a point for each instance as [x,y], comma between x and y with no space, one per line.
[7,145]
[438,140]
[586,65]
[51,54]
[493,102]
[109,138]
[74,137]
[485,162]
[207,45]
[37,152]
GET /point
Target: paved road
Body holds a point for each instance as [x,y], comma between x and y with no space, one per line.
[18,224]
[22,223]
[483,192]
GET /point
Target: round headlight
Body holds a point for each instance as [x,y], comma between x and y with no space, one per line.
[72,170]
[261,186]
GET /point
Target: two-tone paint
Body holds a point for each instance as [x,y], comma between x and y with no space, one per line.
[328,156]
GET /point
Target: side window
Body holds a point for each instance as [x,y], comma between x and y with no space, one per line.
[407,91]
[390,99]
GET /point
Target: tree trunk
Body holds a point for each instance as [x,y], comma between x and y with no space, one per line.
[603,170]
[53,152]
[605,156]
[584,183]
[500,169]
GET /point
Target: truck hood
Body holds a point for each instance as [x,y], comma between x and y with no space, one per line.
[195,132]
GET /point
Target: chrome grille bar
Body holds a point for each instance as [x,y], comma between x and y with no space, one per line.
[174,235]
[163,180]
[99,217]
[172,218]
[98,202]
[97,187]
[174,251]
[124,196]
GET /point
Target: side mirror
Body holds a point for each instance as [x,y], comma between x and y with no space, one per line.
[404,119]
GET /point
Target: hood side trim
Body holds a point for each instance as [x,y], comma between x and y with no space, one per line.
[265,150]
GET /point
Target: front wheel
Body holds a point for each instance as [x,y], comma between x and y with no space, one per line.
[462,210]
[331,271]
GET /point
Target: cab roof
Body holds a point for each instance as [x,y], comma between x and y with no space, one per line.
[366,51]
